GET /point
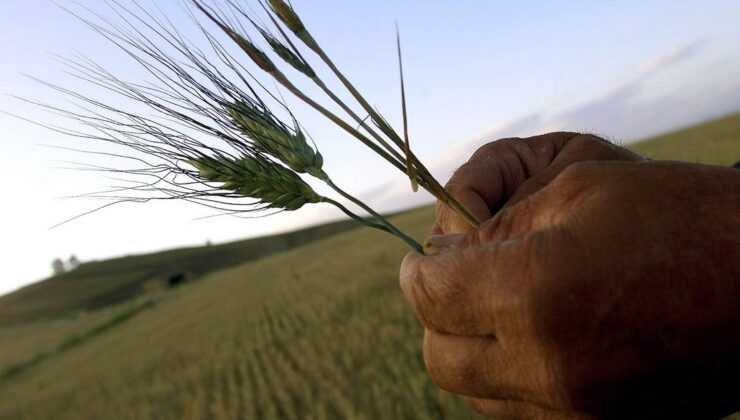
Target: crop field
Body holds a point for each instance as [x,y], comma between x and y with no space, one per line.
[318,330]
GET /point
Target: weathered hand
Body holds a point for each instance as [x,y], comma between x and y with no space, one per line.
[504,172]
[608,289]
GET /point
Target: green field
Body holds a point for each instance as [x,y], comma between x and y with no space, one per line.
[303,325]
[715,142]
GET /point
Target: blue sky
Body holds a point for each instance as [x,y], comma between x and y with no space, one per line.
[475,70]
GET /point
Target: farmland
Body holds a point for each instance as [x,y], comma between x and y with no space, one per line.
[316,329]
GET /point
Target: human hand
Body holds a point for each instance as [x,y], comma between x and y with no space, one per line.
[612,291]
[503,172]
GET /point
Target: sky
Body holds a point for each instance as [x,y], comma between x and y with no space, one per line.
[475,71]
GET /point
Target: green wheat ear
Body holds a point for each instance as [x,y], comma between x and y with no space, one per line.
[287,15]
[257,55]
[274,185]
[287,55]
[273,138]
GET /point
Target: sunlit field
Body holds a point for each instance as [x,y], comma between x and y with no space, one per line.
[316,328]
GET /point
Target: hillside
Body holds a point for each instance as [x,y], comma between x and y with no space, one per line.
[715,142]
[100,283]
[317,331]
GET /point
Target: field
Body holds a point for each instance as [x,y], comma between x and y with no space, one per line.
[124,278]
[317,330]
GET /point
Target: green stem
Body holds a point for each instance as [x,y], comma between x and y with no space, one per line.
[320,83]
[349,213]
[432,185]
[395,232]
[397,162]
[385,222]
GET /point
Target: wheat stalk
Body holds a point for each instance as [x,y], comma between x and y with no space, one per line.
[408,163]
[274,185]
[291,19]
[219,141]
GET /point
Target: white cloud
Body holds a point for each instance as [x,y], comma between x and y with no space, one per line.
[623,112]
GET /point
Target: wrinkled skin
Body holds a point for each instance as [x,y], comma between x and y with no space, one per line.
[601,284]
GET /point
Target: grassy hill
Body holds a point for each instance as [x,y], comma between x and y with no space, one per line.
[715,142]
[101,283]
[317,331]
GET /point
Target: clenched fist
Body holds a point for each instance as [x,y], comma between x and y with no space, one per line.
[602,285]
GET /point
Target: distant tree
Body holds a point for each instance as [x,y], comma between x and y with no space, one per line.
[73,262]
[58,266]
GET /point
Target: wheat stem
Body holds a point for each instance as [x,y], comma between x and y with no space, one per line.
[320,83]
[391,228]
[430,183]
[407,146]
[389,154]
[355,217]
[393,231]
[396,161]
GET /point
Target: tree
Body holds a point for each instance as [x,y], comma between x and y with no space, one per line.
[58,266]
[73,262]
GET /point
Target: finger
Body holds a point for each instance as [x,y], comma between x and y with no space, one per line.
[493,174]
[521,410]
[543,213]
[485,367]
[457,291]
[448,221]
[573,148]
[435,244]
[472,365]
[497,169]
[480,185]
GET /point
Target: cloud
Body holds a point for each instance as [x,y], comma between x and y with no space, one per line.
[623,112]
[671,58]
[620,112]
[456,155]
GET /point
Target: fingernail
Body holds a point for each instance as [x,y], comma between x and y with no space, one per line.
[445,241]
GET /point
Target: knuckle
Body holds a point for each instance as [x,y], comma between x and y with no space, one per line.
[491,148]
[594,147]
[587,141]
[563,134]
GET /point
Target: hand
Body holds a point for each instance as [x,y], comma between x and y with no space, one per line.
[502,173]
[608,290]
